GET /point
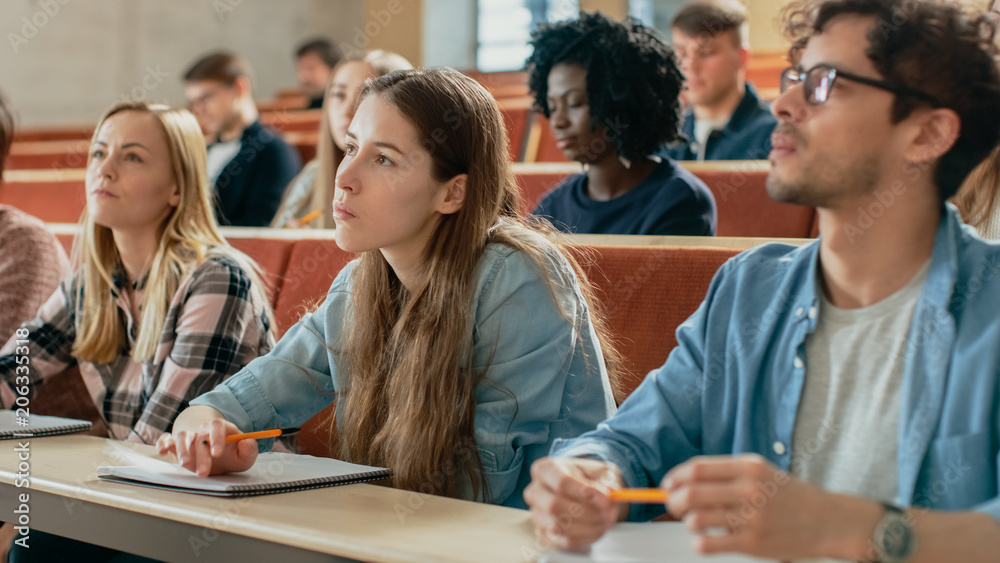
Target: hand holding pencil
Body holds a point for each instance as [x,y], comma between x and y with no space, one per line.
[205,443]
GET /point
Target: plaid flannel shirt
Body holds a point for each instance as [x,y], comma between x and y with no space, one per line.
[215,325]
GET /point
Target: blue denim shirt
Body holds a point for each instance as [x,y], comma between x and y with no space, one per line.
[546,376]
[733,383]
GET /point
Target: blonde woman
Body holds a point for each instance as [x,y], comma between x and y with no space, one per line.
[977,200]
[460,345]
[160,308]
[311,192]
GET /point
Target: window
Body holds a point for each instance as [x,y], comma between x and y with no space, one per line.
[656,13]
[505,28]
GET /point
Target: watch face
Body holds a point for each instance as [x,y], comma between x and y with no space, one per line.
[896,537]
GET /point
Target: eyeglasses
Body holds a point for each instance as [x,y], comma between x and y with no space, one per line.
[204,98]
[818,82]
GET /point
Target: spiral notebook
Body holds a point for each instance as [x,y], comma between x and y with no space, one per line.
[272,473]
[15,425]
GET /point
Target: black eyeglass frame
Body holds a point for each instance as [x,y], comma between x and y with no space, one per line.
[833,73]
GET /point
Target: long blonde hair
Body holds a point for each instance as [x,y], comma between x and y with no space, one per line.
[188,236]
[409,400]
[977,198]
[328,154]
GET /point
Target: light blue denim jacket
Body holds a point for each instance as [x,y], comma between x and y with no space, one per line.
[546,377]
[733,383]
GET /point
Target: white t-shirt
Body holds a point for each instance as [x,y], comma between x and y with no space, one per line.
[219,155]
[845,436]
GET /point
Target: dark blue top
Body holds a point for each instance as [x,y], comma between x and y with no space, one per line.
[671,201]
[747,136]
[248,191]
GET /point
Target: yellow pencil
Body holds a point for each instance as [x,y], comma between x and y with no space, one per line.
[652,496]
[310,217]
[261,434]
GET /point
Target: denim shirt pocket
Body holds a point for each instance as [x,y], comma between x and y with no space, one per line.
[959,472]
[501,482]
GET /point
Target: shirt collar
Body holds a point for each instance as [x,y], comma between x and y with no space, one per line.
[120,277]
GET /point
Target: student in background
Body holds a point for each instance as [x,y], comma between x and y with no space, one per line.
[248,164]
[460,329]
[726,120]
[312,190]
[977,199]
[839,399]
[314,63]
[32,262]
[610,92]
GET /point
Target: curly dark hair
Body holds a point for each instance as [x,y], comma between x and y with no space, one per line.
[932,46]
[633,82]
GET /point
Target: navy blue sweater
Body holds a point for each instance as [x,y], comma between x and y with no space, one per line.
[248,191]
[671,201]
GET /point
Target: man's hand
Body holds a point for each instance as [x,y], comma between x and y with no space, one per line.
[766,512]
[569,501]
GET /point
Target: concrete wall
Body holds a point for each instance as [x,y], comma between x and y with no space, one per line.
[65,61]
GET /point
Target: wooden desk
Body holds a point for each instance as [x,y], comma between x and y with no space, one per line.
[353,522]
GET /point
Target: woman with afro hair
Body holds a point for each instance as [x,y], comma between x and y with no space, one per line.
[610,91]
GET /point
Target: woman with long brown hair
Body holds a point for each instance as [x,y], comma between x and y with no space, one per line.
[459,346]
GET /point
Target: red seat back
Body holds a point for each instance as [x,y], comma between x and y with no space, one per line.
[746,210]
[54,201]
[312,266]
[647,292]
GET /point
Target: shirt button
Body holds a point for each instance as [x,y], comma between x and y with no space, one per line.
[799,364]
[812,312]
[798,312]
[779,448]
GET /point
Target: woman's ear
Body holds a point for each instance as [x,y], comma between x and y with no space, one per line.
[453,195]
[175,196]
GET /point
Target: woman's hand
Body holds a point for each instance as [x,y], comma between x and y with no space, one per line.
[204,450]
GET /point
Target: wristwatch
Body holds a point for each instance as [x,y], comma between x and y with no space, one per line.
[894,536]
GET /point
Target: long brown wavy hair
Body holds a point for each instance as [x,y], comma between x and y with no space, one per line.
[409,400]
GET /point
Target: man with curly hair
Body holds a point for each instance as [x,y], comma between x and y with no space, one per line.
[839,399]
[610,92]
[726,119]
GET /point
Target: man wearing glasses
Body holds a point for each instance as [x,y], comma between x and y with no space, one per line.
[838,400]
[248,164]
[726,119]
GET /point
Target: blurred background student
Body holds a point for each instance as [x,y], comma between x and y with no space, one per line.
[310,194]
[610,91]
[32,262]
[248,163]
[314,63]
